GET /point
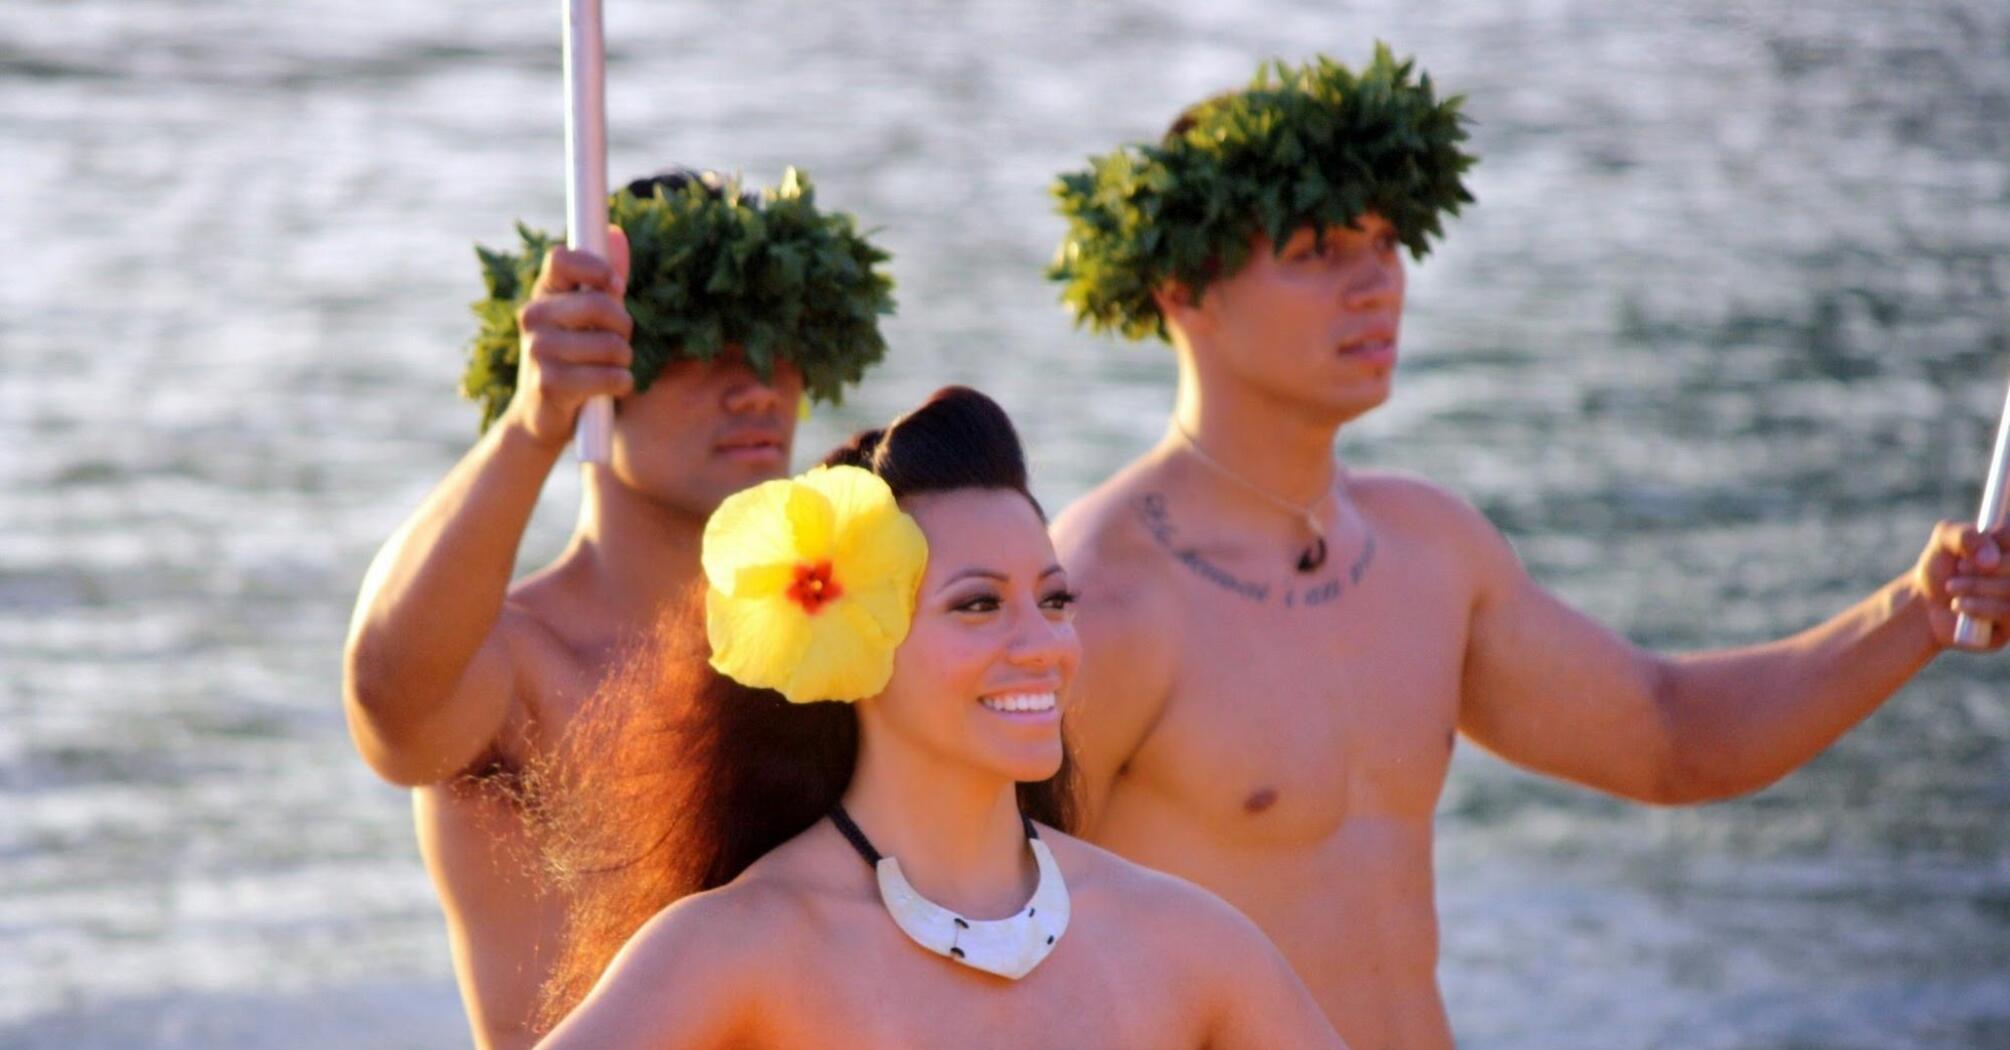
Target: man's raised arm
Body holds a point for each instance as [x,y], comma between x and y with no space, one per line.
[427,674]
[1547,688]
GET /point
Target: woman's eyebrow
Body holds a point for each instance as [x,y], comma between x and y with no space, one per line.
[993,574]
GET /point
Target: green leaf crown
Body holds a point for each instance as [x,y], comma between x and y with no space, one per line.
[711,266]
[1316,145]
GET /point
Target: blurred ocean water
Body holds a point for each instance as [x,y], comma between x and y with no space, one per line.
[1726,332]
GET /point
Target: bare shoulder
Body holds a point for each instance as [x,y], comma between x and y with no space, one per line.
[538,605]
[1413,507]
[1104,531]
[1220,968]
[698,926]
[1412,500]
[1175,917]
[651,993]
[1121,573]
[559,655]
[722,925]
[802,888]
[745,931]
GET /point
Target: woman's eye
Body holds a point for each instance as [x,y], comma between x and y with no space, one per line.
[1061,600]
[981,604]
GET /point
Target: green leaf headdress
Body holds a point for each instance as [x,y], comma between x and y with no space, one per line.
[1315,145]
[711,266]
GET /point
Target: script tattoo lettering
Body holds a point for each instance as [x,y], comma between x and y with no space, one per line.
[1361,563]
[1156,516]
[1158,522]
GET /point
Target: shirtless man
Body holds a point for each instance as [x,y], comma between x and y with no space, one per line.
[456,679]
[1270,710]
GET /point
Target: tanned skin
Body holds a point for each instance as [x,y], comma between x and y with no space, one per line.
[1282,738]
[799,951]
[456,679]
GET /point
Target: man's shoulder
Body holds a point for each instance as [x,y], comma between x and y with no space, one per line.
[1413,504]
[1404,493]
[1105,542]
[555,631]
[556,663]
[1404,507]
[538,605]
[1105,520]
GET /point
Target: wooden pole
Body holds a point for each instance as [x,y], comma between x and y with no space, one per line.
[586,179]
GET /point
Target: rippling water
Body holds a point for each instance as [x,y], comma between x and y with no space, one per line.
[1725,333]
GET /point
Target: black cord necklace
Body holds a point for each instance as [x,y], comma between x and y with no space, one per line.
[856,835]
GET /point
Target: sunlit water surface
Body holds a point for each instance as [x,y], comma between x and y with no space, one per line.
[1725,334]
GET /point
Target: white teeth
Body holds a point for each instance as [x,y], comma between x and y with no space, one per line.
[1020,702]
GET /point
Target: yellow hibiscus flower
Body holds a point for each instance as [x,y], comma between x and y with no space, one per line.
[812,583]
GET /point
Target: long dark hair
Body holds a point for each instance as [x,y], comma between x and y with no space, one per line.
[676,778]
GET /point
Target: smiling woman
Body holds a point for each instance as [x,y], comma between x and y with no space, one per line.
[839,814]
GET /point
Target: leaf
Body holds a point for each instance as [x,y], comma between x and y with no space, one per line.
[706,268]
[1304,145]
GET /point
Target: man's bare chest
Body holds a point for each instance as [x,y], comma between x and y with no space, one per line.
[1335,699]
[559,680]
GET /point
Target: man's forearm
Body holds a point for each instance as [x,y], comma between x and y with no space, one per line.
[434,591]
[1742,719]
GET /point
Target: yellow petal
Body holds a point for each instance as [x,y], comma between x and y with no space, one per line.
[852,491]
[814,521]
[843,660]
[757,642]
[750,528]
[887,609]
[763,581]
[883,548]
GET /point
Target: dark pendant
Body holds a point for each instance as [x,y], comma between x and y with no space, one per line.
[1314,556]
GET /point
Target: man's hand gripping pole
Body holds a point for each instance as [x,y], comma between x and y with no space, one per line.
[1969,632]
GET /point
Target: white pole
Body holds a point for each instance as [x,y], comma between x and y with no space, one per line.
[1970,633]
[586,178]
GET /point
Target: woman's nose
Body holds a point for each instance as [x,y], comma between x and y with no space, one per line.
[1039,643]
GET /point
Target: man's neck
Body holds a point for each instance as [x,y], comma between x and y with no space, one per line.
[1273,446]
[635,554]
[957,833]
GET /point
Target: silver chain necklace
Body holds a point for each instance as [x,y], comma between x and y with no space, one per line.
[1313,556]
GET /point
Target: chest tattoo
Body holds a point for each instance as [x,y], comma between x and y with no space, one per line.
[1155,514]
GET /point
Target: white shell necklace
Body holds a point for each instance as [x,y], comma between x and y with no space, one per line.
[1006,947]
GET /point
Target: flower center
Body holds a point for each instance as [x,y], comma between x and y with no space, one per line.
[814,587]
